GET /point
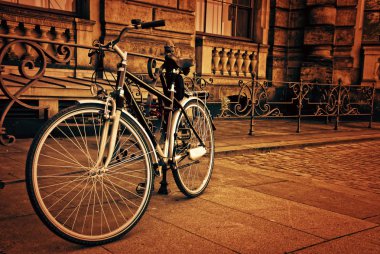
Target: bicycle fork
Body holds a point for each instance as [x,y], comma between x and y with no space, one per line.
[114,116]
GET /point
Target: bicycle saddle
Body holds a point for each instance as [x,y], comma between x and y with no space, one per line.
[180,62]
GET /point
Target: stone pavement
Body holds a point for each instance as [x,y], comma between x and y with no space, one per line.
[232,138]
[275,192]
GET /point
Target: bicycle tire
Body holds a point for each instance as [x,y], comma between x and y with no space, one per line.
[65,147]
[192,177]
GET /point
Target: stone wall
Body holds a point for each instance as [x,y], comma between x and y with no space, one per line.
[180,28]
[324,40]
[287,22]
[371,43]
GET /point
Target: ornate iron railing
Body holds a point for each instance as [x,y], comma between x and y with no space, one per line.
[253,99]
[32,59]
[273,99]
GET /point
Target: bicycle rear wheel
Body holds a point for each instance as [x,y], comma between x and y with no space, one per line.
[77,199]
[193,176]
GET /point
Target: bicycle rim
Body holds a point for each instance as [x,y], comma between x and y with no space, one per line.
[79,201]
[193,176]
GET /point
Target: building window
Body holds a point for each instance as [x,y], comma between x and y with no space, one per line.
[224,17]
[61,5]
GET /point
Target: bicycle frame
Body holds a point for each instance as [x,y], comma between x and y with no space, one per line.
[123,93]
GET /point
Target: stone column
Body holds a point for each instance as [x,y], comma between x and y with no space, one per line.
[319,40]
[345,41]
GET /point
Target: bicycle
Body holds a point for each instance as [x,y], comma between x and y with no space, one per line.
[90,169]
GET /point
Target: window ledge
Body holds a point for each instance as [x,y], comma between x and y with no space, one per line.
[232,38]
[25,9]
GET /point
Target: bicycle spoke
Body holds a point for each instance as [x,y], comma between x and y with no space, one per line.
[77,196]
[118,193]
[72,158]
[79,204]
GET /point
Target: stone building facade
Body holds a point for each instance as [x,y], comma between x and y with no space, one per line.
[315,40]
[325,40]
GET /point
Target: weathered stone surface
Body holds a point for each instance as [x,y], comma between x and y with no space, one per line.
[346,17]
[344,74]
[294,57]
[346,2]
[372,5]
[371,71]
[371,26]
[320,2]
[317,73]
[188,5]
[118,11]
[297,4]
[344,36]
[342,51]
[167,3]
[282,17]
[175,21]
[280,3]
[322,15]
[343,62]
[296,38]
[279,62]
[297,19]
[280,37]
[319,35]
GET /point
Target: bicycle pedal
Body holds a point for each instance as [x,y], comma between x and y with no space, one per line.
[140,188]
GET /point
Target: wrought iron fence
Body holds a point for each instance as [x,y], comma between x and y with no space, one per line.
[273,99]
[253,99]
[31,61]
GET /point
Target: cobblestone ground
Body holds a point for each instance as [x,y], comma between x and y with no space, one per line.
[353,165]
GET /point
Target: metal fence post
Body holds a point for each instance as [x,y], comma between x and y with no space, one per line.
[339,104]
[253,101]
[300,99]
[372,105]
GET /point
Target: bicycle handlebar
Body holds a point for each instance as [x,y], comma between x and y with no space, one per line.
[136,24]
[156,23]
[145,25]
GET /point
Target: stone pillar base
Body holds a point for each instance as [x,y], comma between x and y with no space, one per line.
[319,71]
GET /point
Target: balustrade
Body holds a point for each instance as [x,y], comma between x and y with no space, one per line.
[55,33]
[231,62]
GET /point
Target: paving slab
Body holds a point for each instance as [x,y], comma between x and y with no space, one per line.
[14,202]
[302,217]
[12,166]
[152,235]
[375,219]
[367,242]
[28,235]
[322,198]
[9,169]
[239,231]
[232,136]
[269,168]
[224,174]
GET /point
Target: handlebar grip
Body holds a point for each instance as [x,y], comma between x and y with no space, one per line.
[91,53]
[156,23]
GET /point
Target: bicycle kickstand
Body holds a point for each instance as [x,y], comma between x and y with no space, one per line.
[164,184]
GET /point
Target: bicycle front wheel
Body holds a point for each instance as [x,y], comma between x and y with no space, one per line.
[70,189]
[193,176]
